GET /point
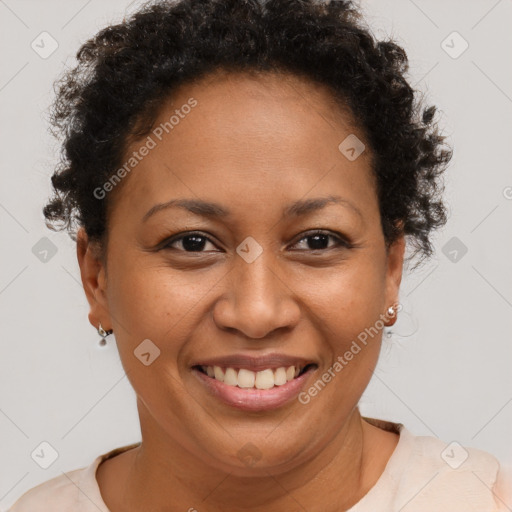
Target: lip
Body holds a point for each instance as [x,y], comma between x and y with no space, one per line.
[254,399]
[272,360]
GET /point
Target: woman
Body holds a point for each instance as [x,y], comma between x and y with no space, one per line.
[209,148]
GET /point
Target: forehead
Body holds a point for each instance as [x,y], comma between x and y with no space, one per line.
[275,97]
[267,85]
[269,132]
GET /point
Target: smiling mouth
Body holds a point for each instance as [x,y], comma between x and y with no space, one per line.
[247,379]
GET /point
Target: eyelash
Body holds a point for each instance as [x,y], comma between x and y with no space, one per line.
[340,240]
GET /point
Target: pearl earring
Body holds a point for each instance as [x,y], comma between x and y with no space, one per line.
[103,335]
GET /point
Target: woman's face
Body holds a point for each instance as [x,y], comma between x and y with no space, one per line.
[254,288]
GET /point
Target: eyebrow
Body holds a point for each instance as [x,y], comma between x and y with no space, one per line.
[214,210]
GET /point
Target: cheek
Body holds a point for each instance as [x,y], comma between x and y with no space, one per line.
[152,303]
[149,313]
[347,299]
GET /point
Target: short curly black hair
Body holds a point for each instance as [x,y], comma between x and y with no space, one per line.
[127,70]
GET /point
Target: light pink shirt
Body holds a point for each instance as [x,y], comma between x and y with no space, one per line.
[423,474]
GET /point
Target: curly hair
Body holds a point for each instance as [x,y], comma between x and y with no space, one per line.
[127,70]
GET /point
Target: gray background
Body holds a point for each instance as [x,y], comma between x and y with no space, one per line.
[445,372]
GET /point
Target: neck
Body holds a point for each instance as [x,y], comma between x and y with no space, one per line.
[161,471]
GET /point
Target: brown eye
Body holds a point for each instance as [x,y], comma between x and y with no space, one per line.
[191,242]
[319,240]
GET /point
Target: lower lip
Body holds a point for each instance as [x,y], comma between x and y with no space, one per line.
[254,399]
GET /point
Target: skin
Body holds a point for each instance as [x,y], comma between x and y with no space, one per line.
[253,145]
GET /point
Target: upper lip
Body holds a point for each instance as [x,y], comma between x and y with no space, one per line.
[253,363]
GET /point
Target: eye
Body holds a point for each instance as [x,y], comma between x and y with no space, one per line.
[196,242]
[319,240]
[191,242]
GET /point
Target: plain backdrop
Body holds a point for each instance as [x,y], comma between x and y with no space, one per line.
[446,370]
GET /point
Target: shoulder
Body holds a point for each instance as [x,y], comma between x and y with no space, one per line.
[73,491]
[451,476]
[503,487]
[52,495]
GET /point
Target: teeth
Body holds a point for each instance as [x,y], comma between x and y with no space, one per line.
[264,379]
[243,378]
[218,373]
[246,378]
[230,377]
[280,377]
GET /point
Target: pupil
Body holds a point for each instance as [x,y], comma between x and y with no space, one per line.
[316,244]
[196,244]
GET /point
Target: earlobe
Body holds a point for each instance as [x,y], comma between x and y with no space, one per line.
[391,315]
[93,277]
[395,263]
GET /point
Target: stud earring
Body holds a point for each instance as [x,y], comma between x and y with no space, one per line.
[103,335]
[391,311]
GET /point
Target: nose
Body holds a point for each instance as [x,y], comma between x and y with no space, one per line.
[258,299]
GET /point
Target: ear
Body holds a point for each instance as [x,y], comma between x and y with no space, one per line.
[93,274]
[394,270]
